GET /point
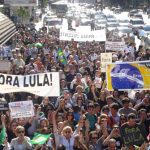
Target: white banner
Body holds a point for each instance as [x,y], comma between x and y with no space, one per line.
[115,46]
[98,35]
[21,2]
[106,58]
[43,84]
[21,109]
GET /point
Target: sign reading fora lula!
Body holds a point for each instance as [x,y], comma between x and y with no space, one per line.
[28,81]
[43,84]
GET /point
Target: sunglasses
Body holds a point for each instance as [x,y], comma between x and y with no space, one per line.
[116,128]
[70,114]
[67,132]
[20,132]
[94,137]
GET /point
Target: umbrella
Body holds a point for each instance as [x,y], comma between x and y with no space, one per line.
[38,45]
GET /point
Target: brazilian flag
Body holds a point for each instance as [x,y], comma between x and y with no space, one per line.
[2,135]
[61,56]
[40,138]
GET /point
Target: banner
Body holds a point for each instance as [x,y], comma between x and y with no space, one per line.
[106,58]
[114,46]
[128,75]
[98,35]
[21,2]
[134,135]
[21,109]
[43,84]
[4,66]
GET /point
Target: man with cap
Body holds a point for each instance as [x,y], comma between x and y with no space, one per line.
[126,110]
[31,66]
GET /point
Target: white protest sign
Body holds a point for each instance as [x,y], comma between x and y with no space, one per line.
[114,46]
[21,109]
[5,65]
[42,84]
[98,35]
[106,58]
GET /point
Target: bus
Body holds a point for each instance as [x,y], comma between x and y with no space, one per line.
[60,8]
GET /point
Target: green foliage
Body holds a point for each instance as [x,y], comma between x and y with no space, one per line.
[23,13]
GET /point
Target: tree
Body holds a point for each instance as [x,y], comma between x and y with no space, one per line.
[23,13]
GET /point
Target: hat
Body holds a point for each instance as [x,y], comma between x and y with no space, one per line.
[17,49]
[114,56]
[115,126]
[13,50]
[19,54]
[65,91]
[125,100]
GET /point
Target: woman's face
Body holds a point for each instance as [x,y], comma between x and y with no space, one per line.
[63,83]
[46,101]
[20,133]
[43,124]
[123,120]
[70,116]
[102,94]
[13,126]
[67,133]
[79,100]
[115,93]
[60,118]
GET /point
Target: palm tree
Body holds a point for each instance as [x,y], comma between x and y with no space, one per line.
[23,13]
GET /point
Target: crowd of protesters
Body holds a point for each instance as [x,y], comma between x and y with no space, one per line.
[86,116]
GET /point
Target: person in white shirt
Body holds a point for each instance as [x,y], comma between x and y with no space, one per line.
[66,51]
[93,56]
[64,135]
[19,61]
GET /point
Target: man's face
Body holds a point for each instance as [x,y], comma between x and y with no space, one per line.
[90,110]
[132,121]
[143,115]
[94,138]
[126,105]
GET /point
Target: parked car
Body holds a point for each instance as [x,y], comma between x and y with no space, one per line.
[146,28]
[124,23]
[137,22]
[132,12]
[55,22]
[124,31]
[138,16]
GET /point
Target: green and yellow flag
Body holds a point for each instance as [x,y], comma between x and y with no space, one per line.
[61,56]
[2,135]
[39,138]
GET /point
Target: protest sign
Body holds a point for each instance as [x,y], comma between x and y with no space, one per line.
[43,84]
[106,58]
[3,105]
[5,66]
[134,135]
[98,35]
[114,46]
[128,75]
[21,109]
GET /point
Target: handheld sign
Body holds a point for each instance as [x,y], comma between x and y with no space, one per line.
[106,58]
[3,106]
[21,109]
